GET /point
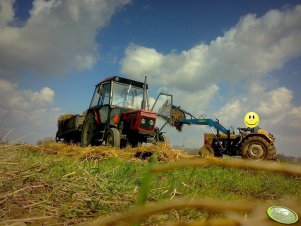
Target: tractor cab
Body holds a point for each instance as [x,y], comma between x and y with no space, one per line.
[118,92]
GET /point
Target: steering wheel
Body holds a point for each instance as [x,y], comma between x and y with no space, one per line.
[243,129]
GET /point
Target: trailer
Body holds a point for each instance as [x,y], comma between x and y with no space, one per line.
[69,128]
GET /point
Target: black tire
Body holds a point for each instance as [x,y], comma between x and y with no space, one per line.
[88,131]
[135,144]
[124,143]
[67,140]
[256,147]
[206,151]
[113,138]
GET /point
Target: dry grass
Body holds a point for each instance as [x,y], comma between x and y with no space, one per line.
[42,185]
[139,213]
[269,166]
[162,151]
[62,118]
[254,213]
[235,213]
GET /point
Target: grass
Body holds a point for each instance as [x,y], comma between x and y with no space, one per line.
[40,185]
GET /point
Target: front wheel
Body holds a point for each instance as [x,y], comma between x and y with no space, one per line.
[206,151]
[113,138]
[256,147]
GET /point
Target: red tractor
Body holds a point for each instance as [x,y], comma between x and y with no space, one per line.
[117,117]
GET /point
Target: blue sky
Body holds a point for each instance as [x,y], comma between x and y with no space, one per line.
[221,58]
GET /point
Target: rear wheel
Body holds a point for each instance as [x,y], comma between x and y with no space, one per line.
[206,151]
[113,138]
[256,147]
[88,131]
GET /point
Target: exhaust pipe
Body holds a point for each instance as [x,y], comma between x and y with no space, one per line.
[143,104]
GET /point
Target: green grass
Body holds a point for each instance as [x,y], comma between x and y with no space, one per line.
[74,191]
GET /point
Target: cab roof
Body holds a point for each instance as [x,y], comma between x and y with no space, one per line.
[123,80]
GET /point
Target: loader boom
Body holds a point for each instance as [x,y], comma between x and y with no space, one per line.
[205,121]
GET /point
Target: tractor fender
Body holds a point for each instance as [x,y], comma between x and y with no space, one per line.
[95,113]
[263,135]
[96,116]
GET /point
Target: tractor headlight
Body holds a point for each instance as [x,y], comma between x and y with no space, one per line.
[151,122]
[143,121]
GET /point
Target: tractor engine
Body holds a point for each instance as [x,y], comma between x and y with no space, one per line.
[138,125]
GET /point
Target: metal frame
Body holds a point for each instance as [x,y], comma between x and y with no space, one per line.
[165,94]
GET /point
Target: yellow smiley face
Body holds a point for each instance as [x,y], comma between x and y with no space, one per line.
[251,119]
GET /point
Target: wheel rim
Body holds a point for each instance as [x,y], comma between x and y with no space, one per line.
[256,151]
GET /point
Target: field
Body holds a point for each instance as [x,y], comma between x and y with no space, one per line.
[57,184]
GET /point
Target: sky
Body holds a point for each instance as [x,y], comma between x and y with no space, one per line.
[218,58]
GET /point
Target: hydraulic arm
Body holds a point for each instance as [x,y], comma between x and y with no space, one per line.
[205,121]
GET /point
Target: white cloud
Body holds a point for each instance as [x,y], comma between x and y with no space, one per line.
[6,12]
[169,70]
[195,102]
[57,37]
[142,60]
[29,111]
[44,97]
[254,47]
[24,100]
[6,86]
[230,112]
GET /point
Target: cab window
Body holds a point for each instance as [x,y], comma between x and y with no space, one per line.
[95,98]
[105,93]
